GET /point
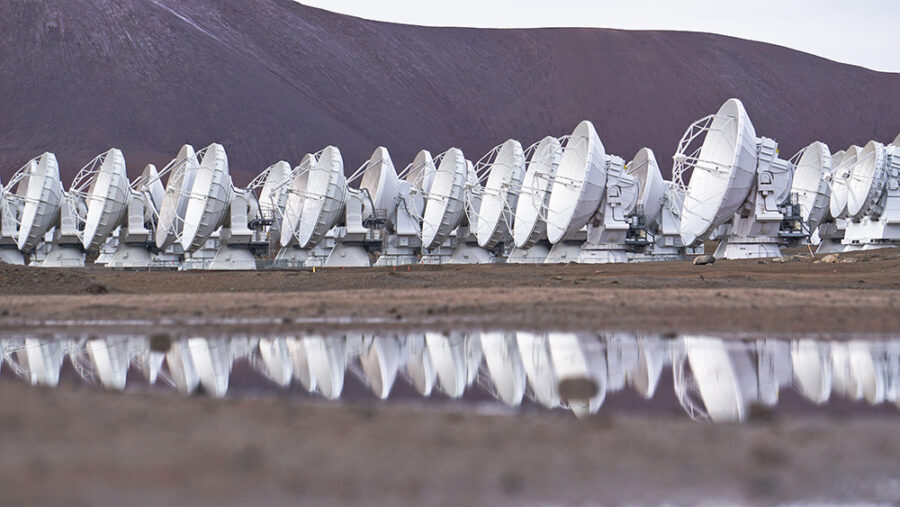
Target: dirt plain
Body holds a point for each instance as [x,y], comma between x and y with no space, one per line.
[83,446]
[858,294]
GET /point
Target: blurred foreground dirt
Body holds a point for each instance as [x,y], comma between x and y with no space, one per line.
[75,445]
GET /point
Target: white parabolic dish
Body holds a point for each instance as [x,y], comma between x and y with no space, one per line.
[175,200]
[652,186]
[528,225]
[381,180]
[579,183]
[500,194]
[293,204]
[210,197]
[326,192]
[723,172]
[813,195]
[43,195]
[106,200]
[273,192]
[867,180]
[444,206]
[840,187]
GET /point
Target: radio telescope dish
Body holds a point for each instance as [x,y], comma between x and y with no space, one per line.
[326,192]
[867,180]
[212,360]
[724,169]
[725,380]
[528,225]
[273,193]
[210,196]
[500,193]
[652,187]
[501,354]
[380,180]
[380,360]
[106,197]
[182,171]
[421,171]
[449,357]
[576,359]
[39,361]
[41,190]
[421,373]
[293,204]
[538,368]
[868,371]
[812,370]
[812,164]
[277,364]
[445,202]
[840,181]
[181,367]
[111,360]
[650,362]
[327,362]
[579,183]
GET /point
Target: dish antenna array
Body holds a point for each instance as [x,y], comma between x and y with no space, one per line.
[33,200]
[445,203]
[736,178]
[529,227]
[873,197]
[562,199]
[713,379]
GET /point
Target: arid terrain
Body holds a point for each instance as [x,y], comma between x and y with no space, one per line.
[80,446]
[858,294]
[83,446]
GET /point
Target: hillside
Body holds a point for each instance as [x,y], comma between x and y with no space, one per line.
[273,79]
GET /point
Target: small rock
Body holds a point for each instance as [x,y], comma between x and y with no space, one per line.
[702,260]
[829,259]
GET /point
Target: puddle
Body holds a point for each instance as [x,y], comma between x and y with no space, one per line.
[706,378]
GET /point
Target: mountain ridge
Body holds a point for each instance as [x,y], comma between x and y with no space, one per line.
[275,79]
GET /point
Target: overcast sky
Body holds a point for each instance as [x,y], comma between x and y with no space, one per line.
[861,32]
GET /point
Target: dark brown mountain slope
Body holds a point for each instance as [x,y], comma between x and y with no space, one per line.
[273,79]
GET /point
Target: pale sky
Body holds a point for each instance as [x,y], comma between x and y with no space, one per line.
[860,32]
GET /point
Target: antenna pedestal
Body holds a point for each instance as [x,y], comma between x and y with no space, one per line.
[11,255]
[134,240]
[65,245]
[403,246]
[291,257]
[607,233]
[567,250]
[353,241]
[108,248]
[564,252]
[318,255]
[606,242]
[880,228]
[201,258]
[831,236]
[468,251]
[536,254]
[9,252]
[442,254]
[754,231]
[232,258]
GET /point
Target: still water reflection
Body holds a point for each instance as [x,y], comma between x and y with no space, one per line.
[712,379]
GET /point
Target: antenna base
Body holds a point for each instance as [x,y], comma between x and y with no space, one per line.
[536,254]
[62,256]
[11,255]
